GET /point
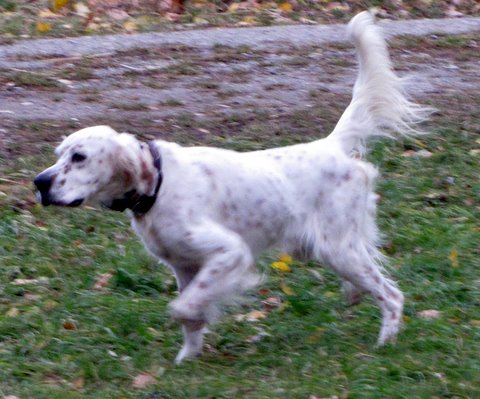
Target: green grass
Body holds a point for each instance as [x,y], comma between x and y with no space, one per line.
[313,345]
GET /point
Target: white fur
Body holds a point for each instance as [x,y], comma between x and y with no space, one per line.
[217,210]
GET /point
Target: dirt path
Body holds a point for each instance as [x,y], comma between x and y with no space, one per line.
[156,76]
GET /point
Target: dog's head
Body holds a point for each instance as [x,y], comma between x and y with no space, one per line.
[95,164]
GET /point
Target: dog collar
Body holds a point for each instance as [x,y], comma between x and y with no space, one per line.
[140,204]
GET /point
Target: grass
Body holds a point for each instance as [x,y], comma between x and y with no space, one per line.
[37,80]
[62,338]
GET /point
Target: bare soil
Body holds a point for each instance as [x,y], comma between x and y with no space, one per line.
[207,94]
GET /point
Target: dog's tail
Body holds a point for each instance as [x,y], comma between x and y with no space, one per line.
[379,106]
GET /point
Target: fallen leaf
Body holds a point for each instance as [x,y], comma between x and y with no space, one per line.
[143,380]
[285,7]
[12,312]
[256,315]
[118,15]
[272,302]
[286,289]
[420,153]
[475,323]
[130,26]
[78,382]
[248,20]
[43,27]
[429,314]
[69,325]
[31,297]
[281,266]
[25,281]
[286,258]
[453,13]
[454,321]
[233,7]
[81,9]
[49,305]
[46,13]
[58,4]
[172,17]
[200,21]
[453,256]
[102,281]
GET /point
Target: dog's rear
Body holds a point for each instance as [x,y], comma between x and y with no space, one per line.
[379,106]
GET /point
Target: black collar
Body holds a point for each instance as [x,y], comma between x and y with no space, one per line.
[140,204]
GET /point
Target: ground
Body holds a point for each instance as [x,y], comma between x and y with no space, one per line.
[83,307]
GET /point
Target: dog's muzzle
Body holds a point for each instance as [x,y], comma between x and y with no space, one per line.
[44,182]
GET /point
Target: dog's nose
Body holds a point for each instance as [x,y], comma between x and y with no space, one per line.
[43,182]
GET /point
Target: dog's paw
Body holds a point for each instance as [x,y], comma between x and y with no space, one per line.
[188,352]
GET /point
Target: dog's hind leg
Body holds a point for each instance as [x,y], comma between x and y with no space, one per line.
[353,295]
[360,269]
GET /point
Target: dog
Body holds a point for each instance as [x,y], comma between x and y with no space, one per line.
[207,213]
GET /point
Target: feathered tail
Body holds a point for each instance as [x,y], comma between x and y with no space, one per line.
[380,105]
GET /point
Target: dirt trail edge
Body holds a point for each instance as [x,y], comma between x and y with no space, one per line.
[187,80]
[257,37]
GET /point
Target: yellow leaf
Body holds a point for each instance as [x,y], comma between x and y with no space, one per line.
[43,27]
[453,257]
[233,7]
[281,266]
[58,4]
[285,7]
[475,323]
[130,26]
[248,20]
[286,289]
[286,258]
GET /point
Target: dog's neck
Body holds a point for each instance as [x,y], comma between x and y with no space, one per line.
[139,203]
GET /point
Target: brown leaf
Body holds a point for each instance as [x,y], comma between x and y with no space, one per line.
[264,291]
[69,325]
[143,380]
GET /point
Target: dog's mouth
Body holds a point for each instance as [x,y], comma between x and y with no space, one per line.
[46,201]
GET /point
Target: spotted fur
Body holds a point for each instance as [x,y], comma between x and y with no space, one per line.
[217,210]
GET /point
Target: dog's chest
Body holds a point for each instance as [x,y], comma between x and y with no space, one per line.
[151,237]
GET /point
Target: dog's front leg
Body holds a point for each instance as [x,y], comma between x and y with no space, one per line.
[193,331]
[226,270]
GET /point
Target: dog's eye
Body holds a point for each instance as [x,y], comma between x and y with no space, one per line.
[77,157]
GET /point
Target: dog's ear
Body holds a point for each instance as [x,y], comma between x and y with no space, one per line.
[125,165]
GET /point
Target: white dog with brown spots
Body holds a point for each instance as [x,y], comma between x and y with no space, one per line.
[208,212]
